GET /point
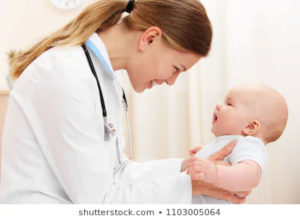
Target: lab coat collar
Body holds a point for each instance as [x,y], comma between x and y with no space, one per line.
[100,51]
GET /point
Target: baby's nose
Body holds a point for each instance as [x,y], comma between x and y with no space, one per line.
[219,107]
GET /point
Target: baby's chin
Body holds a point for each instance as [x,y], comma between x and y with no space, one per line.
[220,133]
[214,132]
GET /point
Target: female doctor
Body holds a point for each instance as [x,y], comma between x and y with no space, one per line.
[62,141]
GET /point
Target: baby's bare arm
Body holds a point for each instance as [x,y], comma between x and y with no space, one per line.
[242,176]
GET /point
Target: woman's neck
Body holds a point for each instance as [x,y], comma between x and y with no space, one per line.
[118,43]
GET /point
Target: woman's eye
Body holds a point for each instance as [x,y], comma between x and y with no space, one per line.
[177,70]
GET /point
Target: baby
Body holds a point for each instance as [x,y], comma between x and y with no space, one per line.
[254,115]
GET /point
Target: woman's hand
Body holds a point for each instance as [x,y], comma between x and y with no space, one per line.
[221,154]
[217,157]
[203,188]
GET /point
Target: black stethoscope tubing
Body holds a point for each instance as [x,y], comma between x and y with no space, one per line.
[109,128]
[104,112]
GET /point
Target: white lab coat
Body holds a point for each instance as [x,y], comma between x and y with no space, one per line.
[53,148]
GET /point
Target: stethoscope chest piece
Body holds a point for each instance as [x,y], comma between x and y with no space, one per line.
[109,131]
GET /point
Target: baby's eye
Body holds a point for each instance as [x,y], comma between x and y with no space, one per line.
[229,103]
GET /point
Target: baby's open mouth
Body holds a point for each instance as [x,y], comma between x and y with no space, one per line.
[215,117]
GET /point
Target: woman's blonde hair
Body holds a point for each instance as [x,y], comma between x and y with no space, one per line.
[184,24]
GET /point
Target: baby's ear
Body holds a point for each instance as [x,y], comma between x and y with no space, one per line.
[252,128]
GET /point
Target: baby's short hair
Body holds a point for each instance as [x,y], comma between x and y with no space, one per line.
[272,108]
[275,127]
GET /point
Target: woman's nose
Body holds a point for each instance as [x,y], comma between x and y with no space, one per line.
[172,79]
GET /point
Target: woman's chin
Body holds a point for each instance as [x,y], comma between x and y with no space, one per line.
[138,89]
[141,88]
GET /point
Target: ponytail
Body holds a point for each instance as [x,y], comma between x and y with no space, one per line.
[96,17]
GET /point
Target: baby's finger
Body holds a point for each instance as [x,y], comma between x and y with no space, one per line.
[195,150]
[192,159]
[198,176]
[195,170]
[197,163]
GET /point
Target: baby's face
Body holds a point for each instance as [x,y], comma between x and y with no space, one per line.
[231,116]
[251,109]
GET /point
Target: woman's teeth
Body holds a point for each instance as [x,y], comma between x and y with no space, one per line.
[152,83]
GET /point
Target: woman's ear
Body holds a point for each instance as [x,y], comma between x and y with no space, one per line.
[149,37]
[252,128]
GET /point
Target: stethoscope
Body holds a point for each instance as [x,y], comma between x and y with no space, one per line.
[109,130]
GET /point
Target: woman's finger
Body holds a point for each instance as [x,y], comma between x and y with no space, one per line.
[242,194]
[221,154]
[222,194]
[202,188]
[235,199]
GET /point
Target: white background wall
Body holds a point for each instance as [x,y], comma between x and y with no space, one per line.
[24,22]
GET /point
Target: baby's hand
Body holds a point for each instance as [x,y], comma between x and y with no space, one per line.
[186,161]
[200,169]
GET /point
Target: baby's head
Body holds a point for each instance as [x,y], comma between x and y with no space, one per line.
[251,109]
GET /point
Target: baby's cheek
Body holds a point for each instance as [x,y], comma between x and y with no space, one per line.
[229,123]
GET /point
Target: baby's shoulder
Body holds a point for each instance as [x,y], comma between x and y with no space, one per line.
[249,141]
[249,148]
